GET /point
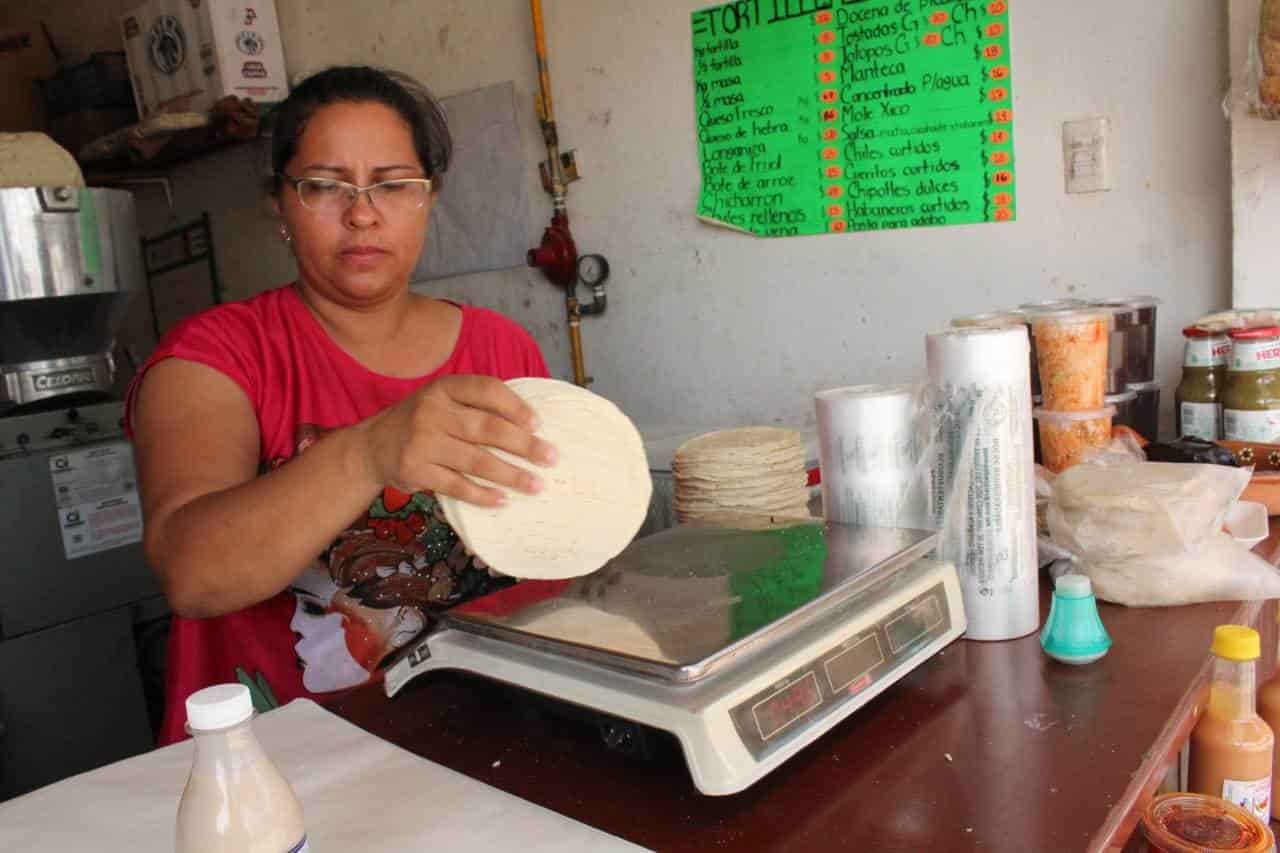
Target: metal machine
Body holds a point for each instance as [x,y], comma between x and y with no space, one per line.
[746,644]
[80,613]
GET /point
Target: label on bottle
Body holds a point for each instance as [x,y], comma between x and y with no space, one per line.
[1206,352]
[1254,797]
[1202,420]
[1244,425]
[1255,355]
[302,846]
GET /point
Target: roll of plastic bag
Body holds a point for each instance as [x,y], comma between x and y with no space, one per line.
[872,441]
[982,478]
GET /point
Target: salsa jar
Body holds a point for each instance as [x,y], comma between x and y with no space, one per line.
[1251,399]
[1198,398]
[1199,823]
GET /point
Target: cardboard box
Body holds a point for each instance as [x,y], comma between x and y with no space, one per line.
[25,57]
[185,55]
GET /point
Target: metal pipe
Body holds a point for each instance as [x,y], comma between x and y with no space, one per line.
[546,110]
[575,342]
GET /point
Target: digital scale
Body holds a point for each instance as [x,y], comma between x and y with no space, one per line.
[746,643]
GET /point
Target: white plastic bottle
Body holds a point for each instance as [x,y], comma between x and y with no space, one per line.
[235,799]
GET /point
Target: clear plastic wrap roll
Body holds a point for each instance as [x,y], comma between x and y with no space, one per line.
[871,444]
[982,483]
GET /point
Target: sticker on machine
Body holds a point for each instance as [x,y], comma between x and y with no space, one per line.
[96,495]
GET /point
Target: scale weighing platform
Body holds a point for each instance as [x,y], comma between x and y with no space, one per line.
[746,643]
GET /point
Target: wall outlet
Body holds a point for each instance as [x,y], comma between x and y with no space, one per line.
[1085,157]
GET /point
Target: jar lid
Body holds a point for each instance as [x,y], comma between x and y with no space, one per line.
[1255,333]
[1238,643]
[1200,823]
[1014,317]
[1067,316]
[219,707]
[1143,301]
[1052,304]
[1206,330]
[1054,417]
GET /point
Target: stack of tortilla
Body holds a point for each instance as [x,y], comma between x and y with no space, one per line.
[754,471]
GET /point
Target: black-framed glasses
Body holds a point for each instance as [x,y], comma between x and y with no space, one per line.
[333,197]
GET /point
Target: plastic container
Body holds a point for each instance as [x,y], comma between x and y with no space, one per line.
[1198,823]
[1198,397]
[1232,748]
[1117,340]
[235,798]
[1074,633]
[1146,409]
[1251,399]
[1013,317]
[1135,318]
[1126,405]
[1071,357]
[1065,437]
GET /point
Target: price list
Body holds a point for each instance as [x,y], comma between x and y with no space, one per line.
[829,116]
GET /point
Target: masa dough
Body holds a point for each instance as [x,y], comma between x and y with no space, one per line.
[594,500]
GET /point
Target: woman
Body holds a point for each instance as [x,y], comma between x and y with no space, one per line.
[320,418]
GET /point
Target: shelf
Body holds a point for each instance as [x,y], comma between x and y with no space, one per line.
[146,150]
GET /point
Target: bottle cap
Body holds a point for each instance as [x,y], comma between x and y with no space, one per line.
[1073,586]
[1236,643]
[219,707]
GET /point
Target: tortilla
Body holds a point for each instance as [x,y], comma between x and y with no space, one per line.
[594,499]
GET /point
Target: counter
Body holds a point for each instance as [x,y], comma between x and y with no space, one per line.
[989,746]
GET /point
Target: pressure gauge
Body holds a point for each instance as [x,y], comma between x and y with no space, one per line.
[593,270]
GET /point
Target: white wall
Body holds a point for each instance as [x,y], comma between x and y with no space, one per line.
[1255,176]
[707,326]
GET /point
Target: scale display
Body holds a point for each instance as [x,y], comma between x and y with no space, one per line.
[838,676]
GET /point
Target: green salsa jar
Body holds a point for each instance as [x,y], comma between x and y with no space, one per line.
[1198,397]
[1251,400]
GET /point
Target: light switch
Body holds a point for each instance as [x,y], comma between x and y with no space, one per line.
[1084,152]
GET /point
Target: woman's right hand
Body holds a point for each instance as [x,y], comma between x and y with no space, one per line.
[436,436]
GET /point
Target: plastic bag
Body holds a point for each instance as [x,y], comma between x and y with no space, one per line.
[1150,533]
[1257,88]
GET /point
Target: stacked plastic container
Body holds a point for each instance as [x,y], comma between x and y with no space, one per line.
[1133,326]
[1102,347]
[1071,358]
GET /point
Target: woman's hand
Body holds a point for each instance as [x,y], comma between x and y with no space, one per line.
[436,436]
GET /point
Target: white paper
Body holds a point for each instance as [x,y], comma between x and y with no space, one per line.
[96,494]
[358,792]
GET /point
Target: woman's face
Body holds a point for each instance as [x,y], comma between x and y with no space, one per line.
[362,256]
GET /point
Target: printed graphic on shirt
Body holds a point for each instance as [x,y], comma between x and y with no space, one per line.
[370,592]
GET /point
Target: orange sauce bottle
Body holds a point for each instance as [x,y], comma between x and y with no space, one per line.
[1232,748]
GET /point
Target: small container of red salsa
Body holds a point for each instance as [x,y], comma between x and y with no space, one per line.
[1198,823]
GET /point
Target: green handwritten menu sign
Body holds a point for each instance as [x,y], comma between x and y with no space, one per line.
[827,116]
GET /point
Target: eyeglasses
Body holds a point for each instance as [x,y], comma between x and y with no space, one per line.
[327,196]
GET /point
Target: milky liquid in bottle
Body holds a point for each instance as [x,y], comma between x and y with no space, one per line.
[235,799]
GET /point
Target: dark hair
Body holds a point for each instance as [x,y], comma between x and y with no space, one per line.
[362,84]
